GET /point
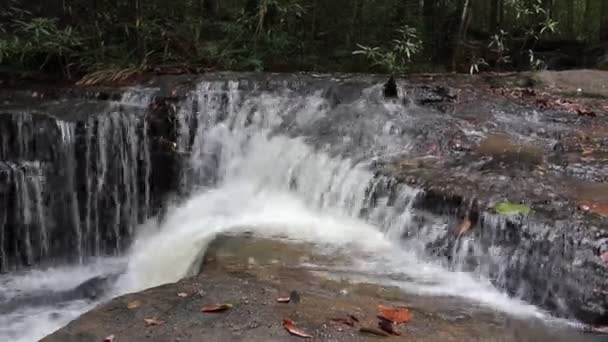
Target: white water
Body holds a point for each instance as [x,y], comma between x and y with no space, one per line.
[254,201]
[270,185]
[31,323]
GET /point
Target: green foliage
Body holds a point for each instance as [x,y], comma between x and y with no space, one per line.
[38,41]
[532,21]
[396,58]
[106,38]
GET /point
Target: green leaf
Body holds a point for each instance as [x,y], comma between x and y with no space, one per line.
[507,208]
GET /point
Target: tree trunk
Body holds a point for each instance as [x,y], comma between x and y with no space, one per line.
[604,22]
[587,18]
[464,25]
[211,7]
[570,22]
[429,14]
[139,39]
[493,16]
[501,12]
[353,23]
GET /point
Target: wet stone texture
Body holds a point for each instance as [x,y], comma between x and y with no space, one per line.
[250,274]
[469,142]
[498,146]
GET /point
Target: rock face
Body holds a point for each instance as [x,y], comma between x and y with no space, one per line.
[72,185]
[82,181]
[228,276]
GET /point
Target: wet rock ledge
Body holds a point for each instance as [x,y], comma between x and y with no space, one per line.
[473,143]
[250,274]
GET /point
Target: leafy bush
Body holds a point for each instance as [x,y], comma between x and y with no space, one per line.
[37,42]
[396,58]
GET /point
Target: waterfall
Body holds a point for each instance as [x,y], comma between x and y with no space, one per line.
[255,162]
[73,189]
[277,158]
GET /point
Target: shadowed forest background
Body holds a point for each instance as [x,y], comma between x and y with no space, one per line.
[112,40]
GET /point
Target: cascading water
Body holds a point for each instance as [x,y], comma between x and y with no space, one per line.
[288,163]
[249,176]
[69,180]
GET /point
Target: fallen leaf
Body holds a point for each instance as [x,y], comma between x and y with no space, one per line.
[182,294]
[153,321]
[604,257]
[373,331]
[507,208]
[290,326]
[283,300]
[109,338]
[353,318]
[575,108]
[346,321]
[388,326]
[134,304]
[595,208]
[600,330]
[465,226]
[395,315]
[216,308]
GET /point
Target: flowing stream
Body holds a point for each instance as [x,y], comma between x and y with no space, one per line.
[251,167]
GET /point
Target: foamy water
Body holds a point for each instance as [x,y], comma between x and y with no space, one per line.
[31,323]
[167,255]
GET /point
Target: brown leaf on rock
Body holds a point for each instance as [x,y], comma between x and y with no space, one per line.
[373,331]
[393,314]
[604,257]
[283,300]
[464,227]
[109,338]
[388,326]
[600,330]
[216,308]
[134,304]
[595,208]
[153,321]
[574,108]
[290,326]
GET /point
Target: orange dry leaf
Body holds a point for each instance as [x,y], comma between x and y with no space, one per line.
[153,321]
[290,326]
[216,308]
[396,315]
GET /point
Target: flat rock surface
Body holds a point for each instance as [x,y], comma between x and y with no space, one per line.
[251,274]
